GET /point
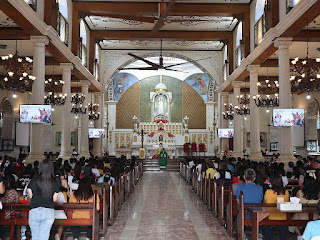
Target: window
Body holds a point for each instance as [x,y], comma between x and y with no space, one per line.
[96,62]
[83,43]
[62,21]
[32,4]
[239,45]
[291,4]
[260,19]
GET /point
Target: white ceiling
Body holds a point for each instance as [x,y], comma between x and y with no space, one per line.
[167,45]
[5,21]
[207,23]
[299,49]
[178,1]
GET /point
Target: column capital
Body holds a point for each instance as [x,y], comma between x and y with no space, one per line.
[97,94]
[253,68]
[236,84]
[39,41]
[282,42]
[85,83]
[66,66]
[224,94]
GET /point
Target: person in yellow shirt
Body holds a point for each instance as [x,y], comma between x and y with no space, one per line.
[271,196]
[210,171]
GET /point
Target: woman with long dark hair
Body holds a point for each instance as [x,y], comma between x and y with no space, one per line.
[83,194]
[277,191]
[43,190]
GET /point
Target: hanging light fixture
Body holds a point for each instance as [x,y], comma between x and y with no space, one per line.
[77,101]
[305,75]
[54,97]
[244,102]
[268,93]
[93,111]
[229,112]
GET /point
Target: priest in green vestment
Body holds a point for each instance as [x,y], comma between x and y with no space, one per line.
[163,156]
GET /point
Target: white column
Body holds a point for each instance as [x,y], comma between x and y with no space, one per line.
[66,151]
[112,110]
[84,150]
[237,148]
[285,143]
[224,142]
[103,121]
[39,64]
[96,151]
[209,126]
[255,150]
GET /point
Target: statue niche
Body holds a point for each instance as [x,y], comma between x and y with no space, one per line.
[160,100]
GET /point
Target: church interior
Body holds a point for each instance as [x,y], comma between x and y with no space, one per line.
[168,103]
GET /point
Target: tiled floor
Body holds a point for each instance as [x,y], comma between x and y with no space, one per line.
[163,206]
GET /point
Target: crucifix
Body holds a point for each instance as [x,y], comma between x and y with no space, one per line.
[142,133]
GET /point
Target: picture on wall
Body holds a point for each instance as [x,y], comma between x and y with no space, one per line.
[121,83]
[263,139]
[200,83]
[274,146]
[312,145]
[7,145]
[73,139]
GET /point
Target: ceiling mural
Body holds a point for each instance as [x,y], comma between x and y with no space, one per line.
[200,83]
[5,21]
[154,45]
[194,23]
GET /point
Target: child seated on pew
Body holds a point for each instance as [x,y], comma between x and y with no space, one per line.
[312,231]
[83,194]
[277,190]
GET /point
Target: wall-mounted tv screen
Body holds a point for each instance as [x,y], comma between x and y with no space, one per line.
[225,132]
[312,145]
[97,133]
[288,117]
[35,113]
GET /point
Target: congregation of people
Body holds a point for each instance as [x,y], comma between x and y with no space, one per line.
[42,184]
[265,182]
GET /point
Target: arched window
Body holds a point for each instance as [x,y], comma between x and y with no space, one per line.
[260,22]
[83,43]
[291,4]
[225,62]
[62,21]
[96,61]
[239,45]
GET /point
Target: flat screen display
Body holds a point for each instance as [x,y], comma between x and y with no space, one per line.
[288,117]
[97,133]
[35,114]
[225,132]
[312,145]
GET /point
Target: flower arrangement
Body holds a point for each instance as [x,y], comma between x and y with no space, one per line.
[156,156]
[161,120]
[151,134]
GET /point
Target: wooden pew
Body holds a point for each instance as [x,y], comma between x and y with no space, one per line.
[214,198]
[67,207]
[260,213]
[222,198]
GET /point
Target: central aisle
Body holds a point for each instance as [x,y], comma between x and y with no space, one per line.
[163,206]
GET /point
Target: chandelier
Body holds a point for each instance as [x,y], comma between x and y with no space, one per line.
[93,111]
[268,96]
[229,112]
[244,102]
[52,97]
[17,77]
[77,101]
[306,73]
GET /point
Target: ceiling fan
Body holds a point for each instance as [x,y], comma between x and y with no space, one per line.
[160,20]
[153,66]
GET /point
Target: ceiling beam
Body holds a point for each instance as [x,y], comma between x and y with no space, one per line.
[13,33]
[172,35]
[179,9]
[310,36]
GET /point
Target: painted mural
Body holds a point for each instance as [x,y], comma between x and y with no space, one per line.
[121,83]
[200,83]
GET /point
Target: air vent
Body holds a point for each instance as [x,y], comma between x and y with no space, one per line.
[3,46]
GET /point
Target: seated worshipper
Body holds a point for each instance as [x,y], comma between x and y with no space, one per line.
[240,183]
[277,191]
[225,176]
[210,171]
[312,231]
[83,194]
[252,193]
[308,195]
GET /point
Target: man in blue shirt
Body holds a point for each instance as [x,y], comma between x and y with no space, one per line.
[252,193]
[313,228]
